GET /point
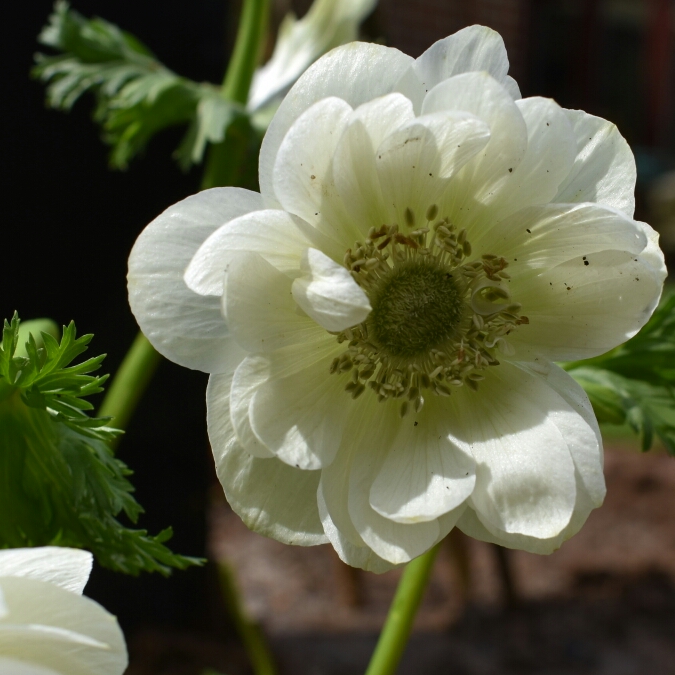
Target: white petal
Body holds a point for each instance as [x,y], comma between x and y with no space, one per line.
[487,175]
[300,418]
[356,73]
[183,326]
[512,87]
[66,567]
[261,311]
[303,181]
[475,48]
[424,475]
[516,426]
[354,165]
[395,542]
[578,311]
[604,169]
[55,628]
[327,24]
[13,667]
[551,149]
[327,292]
[271,497]
[587,456]
[356,556]
[249,375]
[540,237]
[412,162]
[276,235]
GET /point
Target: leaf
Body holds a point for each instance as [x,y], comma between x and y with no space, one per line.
[137,96]
[60,482]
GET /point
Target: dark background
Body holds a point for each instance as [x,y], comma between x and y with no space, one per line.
[68,226]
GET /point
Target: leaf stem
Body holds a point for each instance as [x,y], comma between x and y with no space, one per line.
[397,627]
[130,382]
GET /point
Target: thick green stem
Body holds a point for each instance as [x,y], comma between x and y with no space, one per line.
[244,60]
[130,382]
[225,160]
[394,635]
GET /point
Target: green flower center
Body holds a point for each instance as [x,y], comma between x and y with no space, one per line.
[416,308]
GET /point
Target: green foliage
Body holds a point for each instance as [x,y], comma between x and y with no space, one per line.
[136,95]
[634,384]
[59,480]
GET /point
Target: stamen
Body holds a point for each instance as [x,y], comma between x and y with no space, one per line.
[437,317]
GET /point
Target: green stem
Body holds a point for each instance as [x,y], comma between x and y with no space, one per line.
[142,360]
[250,34]
[131,380]
[394,635]
[225,160]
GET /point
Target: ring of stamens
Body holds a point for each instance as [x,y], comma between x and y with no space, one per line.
[465,316]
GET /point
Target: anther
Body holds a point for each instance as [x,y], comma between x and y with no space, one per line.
[432,212]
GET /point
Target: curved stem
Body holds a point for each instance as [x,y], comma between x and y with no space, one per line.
[397,627]
[130,382]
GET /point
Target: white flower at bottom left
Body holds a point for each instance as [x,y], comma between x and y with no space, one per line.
[46,626]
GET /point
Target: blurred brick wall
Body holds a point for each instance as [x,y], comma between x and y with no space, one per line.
[413,25]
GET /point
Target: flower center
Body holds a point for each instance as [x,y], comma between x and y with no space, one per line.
[417,307]
[437,318]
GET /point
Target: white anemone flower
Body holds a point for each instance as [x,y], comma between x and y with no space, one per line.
[46,626]
[381,322]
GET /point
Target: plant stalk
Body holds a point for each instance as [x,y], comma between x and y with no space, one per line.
[397,627]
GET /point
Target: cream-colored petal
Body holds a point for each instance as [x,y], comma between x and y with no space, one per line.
[328,294]
[356,73]
[424,475]
[271,497]
[301,418]
[182,325]
[261,311]
[68,568]
[354,167]
[578,310]
[56,628]
[604,169]
[252,372]
[303,181]
[9,666]
[517,428]
[395,542]
[356,556]
[587,457]
[414,163]
[327,24]
[540,237]
[486,176]
[550,153]
[276,235]
[475,48]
